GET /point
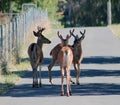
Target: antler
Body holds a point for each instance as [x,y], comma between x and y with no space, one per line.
[43,29]
[68,36]
[71,32]
[40,29]
[83,33]
[59,35]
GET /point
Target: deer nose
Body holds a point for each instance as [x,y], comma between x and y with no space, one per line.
[49,41]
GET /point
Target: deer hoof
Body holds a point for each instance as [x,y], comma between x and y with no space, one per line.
[51,82]
[68,94]
[78,83]
[73,82]
[33,85]
[62,93]
[40,84]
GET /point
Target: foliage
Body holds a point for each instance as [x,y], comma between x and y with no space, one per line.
[115,28]
[89,12]
[115,11]
[76,12]
[16,6]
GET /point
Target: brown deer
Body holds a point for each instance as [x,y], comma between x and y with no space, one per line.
[36,55]
[54,53]
[78,51]
[65,58]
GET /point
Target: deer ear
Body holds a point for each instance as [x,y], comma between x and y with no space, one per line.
[35,33]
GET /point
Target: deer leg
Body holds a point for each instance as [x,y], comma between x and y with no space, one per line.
[70,85]
[36,78]
[72,81]
[40,83]
[35,81]
[75,70]
[75,66]
[68,82]
[78,73]
[49,68]
[62,80]
[33,78]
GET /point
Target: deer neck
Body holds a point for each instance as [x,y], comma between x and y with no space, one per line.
[78,46]
[39,44]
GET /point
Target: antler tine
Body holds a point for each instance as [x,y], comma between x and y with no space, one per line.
[68,36]
[83,33]
[39,28]
[43,29]
[60,36]
[71,32]
[58,33]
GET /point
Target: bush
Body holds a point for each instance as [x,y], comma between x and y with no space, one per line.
[3,67]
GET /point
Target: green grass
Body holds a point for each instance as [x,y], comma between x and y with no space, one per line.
[14,74]
[115,28]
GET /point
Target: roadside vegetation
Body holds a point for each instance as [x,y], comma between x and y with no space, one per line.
[115,29]
[10,74]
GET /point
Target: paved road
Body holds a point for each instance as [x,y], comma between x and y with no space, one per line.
[100,75]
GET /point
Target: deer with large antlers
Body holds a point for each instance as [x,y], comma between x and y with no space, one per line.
[65,58]
[77,52]
[36,55]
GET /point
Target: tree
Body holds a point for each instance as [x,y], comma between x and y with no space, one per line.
[115,11]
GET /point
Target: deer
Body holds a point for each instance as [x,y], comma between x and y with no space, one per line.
[77,53]
[65,58]
[36,55]
[76,59]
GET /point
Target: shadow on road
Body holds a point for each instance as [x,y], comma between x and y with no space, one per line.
[77,90]
[26,90]
[86,60]
[84,73]
[101,60]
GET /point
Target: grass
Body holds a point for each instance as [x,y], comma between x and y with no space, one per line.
[115,29]
[14,74]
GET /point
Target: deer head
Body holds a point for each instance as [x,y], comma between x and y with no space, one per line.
[41,39]
[64,41]
[76,38]
[39,32]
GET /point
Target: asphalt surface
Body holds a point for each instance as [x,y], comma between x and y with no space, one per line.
[99,81]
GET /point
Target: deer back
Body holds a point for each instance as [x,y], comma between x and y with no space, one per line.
[65,56]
